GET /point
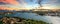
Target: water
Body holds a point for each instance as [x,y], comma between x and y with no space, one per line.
[0,16]
[34,16]
[55,20]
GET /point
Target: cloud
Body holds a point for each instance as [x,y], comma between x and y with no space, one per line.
[22,1]
[14,2]
[51,1]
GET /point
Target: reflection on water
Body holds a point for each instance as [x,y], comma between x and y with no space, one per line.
[34,16]
[55,20]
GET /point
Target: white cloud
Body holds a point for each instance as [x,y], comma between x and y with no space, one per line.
[52,1]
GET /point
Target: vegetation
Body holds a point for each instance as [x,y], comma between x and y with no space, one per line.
[1,22]
[24,21]
[41,12]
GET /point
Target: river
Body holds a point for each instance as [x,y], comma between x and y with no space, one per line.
[34,16]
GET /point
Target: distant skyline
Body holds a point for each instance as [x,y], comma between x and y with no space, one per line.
[30,4]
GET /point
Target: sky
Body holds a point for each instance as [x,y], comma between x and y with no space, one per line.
[28,4]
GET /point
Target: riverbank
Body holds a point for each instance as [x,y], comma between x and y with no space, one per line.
[16,20]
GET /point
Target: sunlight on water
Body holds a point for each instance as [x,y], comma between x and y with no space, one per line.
[34,16]
[55,20]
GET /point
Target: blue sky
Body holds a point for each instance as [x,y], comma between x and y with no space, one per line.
[45,3]
[34,3]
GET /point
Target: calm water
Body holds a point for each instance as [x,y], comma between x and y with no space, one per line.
[34,16]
